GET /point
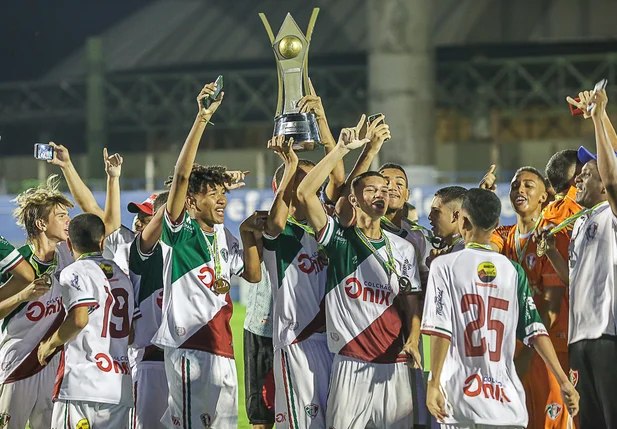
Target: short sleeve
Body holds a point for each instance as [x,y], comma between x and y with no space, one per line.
[137,258]
[77,289]
[120,237]
[529,322]
[325,237]
[437,315]
[176,232]
[236,256]
[9,256]
[500,236]
[410,269]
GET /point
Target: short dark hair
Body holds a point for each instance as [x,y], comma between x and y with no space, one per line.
[558,169]
[483,206]
[451,194]
[278,174]
[395,167]
[202,177]
[86,231]
[160,201]
[355,183]
[535,171]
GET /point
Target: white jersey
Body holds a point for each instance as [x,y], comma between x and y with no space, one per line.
[31,322]
[195,315]
[297,271]
[117,247]
[593,266]
[415,236]
[357,284]
[94,366]
[480,300]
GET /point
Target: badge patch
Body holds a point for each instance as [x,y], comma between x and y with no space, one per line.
[487,272]
[574,377]
[5,418]
[553,410]
[592,230]
[83,424]
[224,254]
[311,410]
[206,420]
[108,270]
[531,260]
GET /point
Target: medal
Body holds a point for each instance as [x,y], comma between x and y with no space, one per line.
[405,284]
[221,286]
[542,247]
[47,279]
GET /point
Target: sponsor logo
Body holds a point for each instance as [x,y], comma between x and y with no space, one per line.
[175,420]
[307,264]
[5,418]
[311,410]
[354,260]
[292,326]
[335,336]
[530,260]
[159,299]
[224,254]
[371,292]
[83,424]
[108,270]
[206,420]
[281,417]
[591,231]
[119,365]
[180,331]
[439,302]
[531,304]
[75,282]
[553,410]
[37,310]
[574,377]
[487,272]
[476,385]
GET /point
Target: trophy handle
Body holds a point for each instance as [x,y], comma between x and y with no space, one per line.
[309,33]
[279,103]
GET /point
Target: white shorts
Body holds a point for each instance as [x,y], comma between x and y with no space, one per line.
[150,395]
[369,394]
[466,426]
[88,415]
[29,399]
[302,377]
[203,390]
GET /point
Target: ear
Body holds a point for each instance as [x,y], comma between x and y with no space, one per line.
[406,195]
[40,225]
[543,197]
[353,200]
[102,243]
[68,243]
[467,226]
[190,202]
[455,214]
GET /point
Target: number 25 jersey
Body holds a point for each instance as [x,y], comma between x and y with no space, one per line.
[481,302]
[94,366]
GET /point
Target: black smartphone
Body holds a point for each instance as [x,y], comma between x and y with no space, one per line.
[219,87]
[372,118]
[43,151]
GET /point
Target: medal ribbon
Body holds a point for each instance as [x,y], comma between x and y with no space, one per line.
[87,255]
[214,254]
[567,222]
[305,227]
[389,265]
[520,253]
[473,245]
[35,265]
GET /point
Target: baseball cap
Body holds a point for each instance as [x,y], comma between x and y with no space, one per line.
[584,156]
[145,207]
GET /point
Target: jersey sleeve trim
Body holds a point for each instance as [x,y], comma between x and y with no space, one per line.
[269,237]
[325,235]
[11,261]
[533,331]
[438,332]
[84,302]
[144,256]
[175,226]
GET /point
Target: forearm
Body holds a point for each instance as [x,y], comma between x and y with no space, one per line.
[412,313]
[560,265]
[277,217]
[337,176]
[252,263]
[314,179]
[607,161]
[610,130]
[80,192]
[543,345]
[439,350]
[9,304]
[152,232]
[67,332]
[112,215]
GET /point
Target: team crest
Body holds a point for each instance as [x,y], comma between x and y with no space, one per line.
[574,377]
[75,282]
[108,270]
[334,336]
[224,254]
[180,331]
[83,424]
[530,260]
[487,272]
[592,230]
[311,410]
[206,420]
[5,418]
[553,410]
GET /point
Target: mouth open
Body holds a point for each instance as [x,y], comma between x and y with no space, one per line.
[520,201]
[220,211]
[379,204]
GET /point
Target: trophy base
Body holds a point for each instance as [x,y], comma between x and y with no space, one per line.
[301,126]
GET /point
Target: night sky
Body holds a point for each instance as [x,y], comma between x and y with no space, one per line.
[35,35]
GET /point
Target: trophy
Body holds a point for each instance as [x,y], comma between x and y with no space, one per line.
[291,48]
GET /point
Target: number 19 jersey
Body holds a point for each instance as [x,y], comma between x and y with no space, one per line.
[94,366]
[481,301]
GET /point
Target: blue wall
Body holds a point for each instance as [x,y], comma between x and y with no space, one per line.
[242,203]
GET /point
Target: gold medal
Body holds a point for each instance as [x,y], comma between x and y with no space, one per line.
[221,286]
[47,278]
[542,247]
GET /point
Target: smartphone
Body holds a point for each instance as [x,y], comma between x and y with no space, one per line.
[219,87]
[43,151]
[372,118]
[575,110]
[599,87]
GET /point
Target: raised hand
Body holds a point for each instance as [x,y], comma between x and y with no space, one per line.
[378,132]
[255,222]
[61,157]
[113,164]
[349,138]
[236,179]
[284,149]
[489,179]
[207,91]
[584,99]
[312,103]
[598,100]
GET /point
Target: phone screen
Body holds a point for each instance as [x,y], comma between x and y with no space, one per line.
[372,118]
[219,87]
[43,151]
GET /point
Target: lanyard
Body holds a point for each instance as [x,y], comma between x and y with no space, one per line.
[520,252]
[473,245]
[569,221]
[35,264]
[87,255]
[213,249]
[305,227]
[389,265]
